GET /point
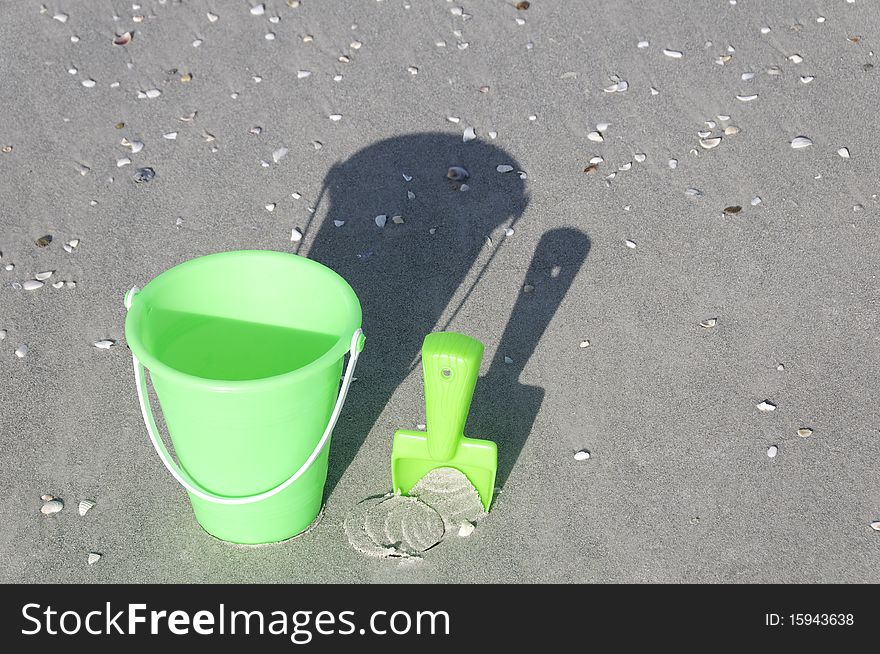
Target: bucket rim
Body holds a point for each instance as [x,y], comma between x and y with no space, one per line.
[154,364]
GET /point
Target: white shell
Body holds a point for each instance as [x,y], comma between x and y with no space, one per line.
[596,136]
[747,98]
[806,79]
[257,10]
[640,157]
[675,54]
[875,525]
[584,343]
[31,285]
[747,76]
[52,506]
[630,244]
[508,360]
[153,93]
[710,143]
[2,334]
[581,455]
[295,235]
[642,45]
[843,152]
[279,154]
[21,351]
[85,506]
[339,223]
[213,17]
[94,557]
[270,207]
[673,163]
[88,83]
[105,344]
[469,134]
[756,201]
[801,142]
[772,451]
[795,59]
[503,168]
[302,74]
[466,529]
[381,220]
[170,136]
[804,432]
[766,405]
[335,117]
[709,323]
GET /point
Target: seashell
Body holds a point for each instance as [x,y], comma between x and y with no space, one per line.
[728,211]
[32,285]
[85,506]
[57,284]
[640,157]
[302,74]
[398,220]
[270,207]
[508,360]
[584,343]
[152,94]
[213,17]
[592,168]
[410,195]
[105,344]
[730,130]
[756,201]
[875,525]
[257,10]
[673,163]
[804,432]
[625,166]
[338,223]
[412,70]
[492,135]
[581,455]
[801,142]
[704,134]
[70,284]
[408,178]
[747,98]
[295,235]
[124,161]
[88,83]
[43,276]
[94,557]
[503,168]
[122,39]
[144,175]
[189,117]
[457,174]
[469,134]
[774,70]
[641,45]
[795,59]
[843,152]
[630,244]
[47,497]
[674,54]
[710,143]
[596,136]
[60,17]
[52,506]
[465,529]
[279,154]
[170,136]
[269,36]
[766,405]
[806,79]
[772,451]
[708,323]
[335,117]
[381,220]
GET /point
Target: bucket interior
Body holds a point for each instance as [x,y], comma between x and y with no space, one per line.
[245,315]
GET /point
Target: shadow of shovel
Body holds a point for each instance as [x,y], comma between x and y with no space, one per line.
[503,409]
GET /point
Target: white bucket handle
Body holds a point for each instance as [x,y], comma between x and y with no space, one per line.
[185,479]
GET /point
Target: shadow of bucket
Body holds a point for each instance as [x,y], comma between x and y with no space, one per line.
[245,351]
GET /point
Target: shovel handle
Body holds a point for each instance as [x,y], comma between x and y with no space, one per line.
[451,365]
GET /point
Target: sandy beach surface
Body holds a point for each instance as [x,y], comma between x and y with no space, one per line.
[632,172]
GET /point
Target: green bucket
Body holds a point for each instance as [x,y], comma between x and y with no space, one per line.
[245,351]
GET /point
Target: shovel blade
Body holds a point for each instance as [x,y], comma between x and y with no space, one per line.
[411,460]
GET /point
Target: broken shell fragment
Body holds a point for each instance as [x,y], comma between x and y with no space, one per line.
[503,168]
[122,39]
[21,351]
[708,323]
[85,506]
[596,136]
[772,451]
[710,143]
[469,134]
[581,455]
[801,142]
[296,235]
[43,276]
[766,406]
[104,344]
[804,432]
[94,557]
[381,220]
[32,284]
[467,528]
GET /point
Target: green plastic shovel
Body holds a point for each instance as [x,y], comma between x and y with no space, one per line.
[451,365]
